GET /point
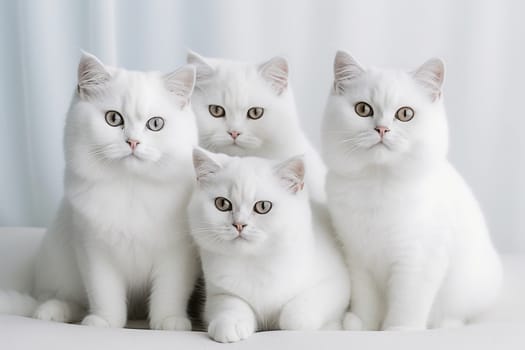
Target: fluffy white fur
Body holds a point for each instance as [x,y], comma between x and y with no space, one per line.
[417,244]
[239,86]
[121,234]
[283,270]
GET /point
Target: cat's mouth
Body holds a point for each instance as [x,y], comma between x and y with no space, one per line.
[240,238]
[236,144]
[379,145]
[133,157]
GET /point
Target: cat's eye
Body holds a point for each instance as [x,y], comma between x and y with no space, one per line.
[223,204]
[405,114]
[216,111]
[255,112]
[363,109]
[113,118]
[262,207]
[155,123]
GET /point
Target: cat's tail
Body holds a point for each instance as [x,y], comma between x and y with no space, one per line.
[16,303]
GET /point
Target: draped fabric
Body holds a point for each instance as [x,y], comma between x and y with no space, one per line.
[482,42]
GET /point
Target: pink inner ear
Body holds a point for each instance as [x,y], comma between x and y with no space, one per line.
[298,187]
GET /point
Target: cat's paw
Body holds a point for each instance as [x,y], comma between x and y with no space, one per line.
[95,321]
[172,323]
[229,330]
[298,321]
[53,310]
[352,322]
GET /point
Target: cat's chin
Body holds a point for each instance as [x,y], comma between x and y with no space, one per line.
[238,149]
[237,245]
[378,154]
[233,149]
[135,164]
[133,161]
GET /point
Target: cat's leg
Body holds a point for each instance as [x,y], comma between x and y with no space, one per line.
[411,291]
[57,282]
[230,319]
[106,289]
[59,311]
[366,303]
[320,306]
[174,278]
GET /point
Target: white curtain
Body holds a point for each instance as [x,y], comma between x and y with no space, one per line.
[483,43]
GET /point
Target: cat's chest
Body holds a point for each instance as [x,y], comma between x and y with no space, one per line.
[379,221]
[128,209]
[266,287]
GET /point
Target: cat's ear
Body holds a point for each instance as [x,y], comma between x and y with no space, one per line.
[204,69]
[431,75]
[346,68]
[291,173]
[275,71]
[92,75]
[181,82]
[205,164]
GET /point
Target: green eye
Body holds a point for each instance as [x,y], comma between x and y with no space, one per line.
[255,112]
[363,109]
[223,204]
[216,111]
[405,114]
[262,207]
[155,123]
[113,118]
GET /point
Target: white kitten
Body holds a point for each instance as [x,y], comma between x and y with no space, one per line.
[121,231]
[268,262]
[417,244]
[249,110]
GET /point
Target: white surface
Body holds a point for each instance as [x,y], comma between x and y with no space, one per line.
[23,333]
[481,41]
[503,328]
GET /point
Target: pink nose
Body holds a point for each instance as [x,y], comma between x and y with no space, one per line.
[381,130]
[234,134]
[132,143]
[239,227]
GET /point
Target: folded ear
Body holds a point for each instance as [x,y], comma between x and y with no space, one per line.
[431,75]
[92,75]
[346,68]
[181,82]
[205,164]
[291,173]
[204,69]
[275,71]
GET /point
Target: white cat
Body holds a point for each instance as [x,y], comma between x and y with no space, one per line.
[121,232]
[417,244]
[269,262]
[248,109]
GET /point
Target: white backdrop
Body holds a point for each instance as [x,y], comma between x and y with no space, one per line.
[483,43]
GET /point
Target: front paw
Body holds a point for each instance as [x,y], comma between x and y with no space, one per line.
[53,310]
[229,330]
[172,323]
[352,322]
[95,321]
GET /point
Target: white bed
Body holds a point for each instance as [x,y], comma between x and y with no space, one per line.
[502,328]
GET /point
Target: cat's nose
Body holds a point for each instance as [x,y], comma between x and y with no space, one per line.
[234,134]
[132,143]
[381,130]
[239,227]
